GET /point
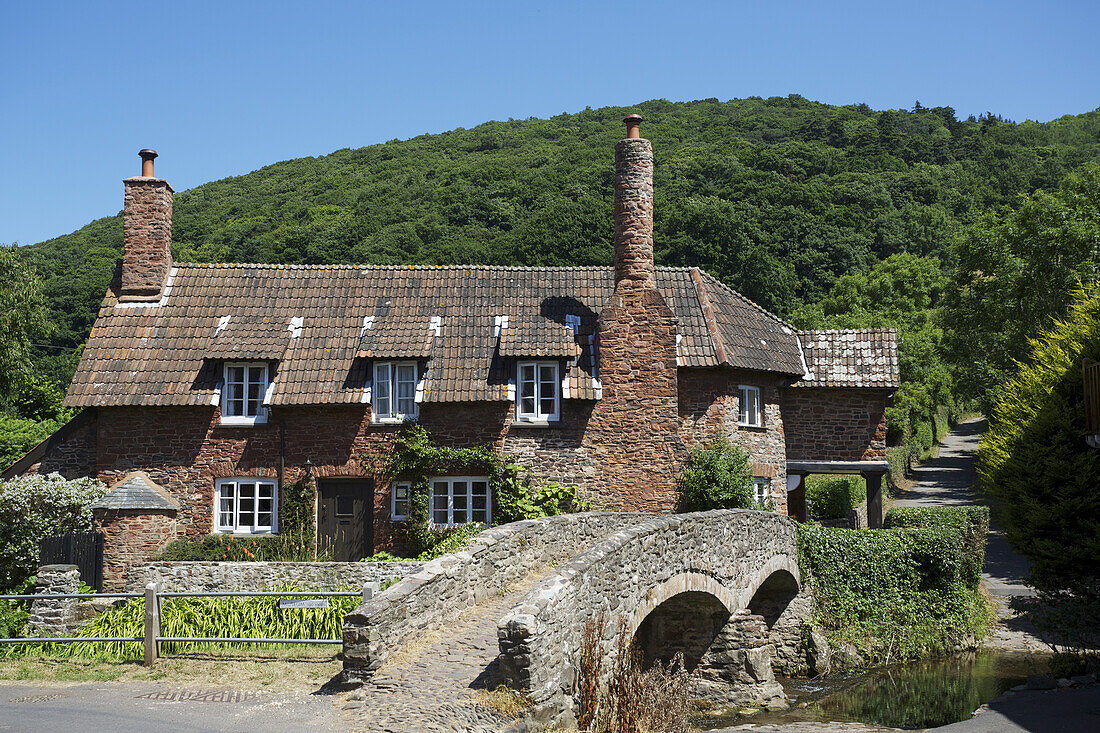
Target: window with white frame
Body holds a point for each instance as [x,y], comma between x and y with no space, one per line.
[399,501]
[393,391]
[246,506]
[538,392]
[244,387]
[761,489]
[749,415]
[460,499]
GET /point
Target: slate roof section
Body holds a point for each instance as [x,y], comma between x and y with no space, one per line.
[136,491]
[866,358]
[170,353]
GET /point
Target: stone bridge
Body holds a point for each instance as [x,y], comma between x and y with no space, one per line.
[722,588]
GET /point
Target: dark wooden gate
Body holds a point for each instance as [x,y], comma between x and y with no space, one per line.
[83,549]
[345,527]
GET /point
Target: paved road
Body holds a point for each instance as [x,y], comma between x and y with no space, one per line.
[948,479]
[119,707]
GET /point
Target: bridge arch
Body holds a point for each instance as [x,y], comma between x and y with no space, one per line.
[719,563]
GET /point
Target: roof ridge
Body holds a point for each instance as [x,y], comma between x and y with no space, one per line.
[367,266]
[884,329]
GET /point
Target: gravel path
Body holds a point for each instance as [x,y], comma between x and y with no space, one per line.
[436,684]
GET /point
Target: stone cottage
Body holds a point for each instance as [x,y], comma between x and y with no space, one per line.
[212,386]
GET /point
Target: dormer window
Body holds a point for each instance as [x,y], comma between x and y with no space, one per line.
[245,386]
[538,393]
[394,391]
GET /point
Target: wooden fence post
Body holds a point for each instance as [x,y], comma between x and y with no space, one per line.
[152,623]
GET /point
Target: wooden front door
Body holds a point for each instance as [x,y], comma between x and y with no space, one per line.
[345,528]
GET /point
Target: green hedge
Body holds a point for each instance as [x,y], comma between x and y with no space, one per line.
[969,524]
[896,594]
[833,497]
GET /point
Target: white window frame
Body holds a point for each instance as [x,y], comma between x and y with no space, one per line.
[761,489]
[538,415]
[260,417]
[392,388]
[234,526]
[468,496]
[407,487]
[744,419]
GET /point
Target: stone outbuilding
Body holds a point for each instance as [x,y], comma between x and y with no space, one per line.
[137,518]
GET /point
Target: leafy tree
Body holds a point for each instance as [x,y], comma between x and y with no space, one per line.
[1035,462]
[718,476]
[1016,273]
[23,318]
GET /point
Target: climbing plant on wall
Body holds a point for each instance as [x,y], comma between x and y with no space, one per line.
[415,457]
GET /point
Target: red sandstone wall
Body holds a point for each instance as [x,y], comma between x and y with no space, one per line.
[835,424]
[131,538]
[709,406]
[73,456]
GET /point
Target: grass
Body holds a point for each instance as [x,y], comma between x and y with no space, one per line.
[277,670]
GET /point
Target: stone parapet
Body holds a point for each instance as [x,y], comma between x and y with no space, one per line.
[443,588]
[203,577]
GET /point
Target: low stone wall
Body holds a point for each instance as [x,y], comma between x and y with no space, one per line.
[259,576]
[856,519]
[728,554]
[444,587]
[54,616]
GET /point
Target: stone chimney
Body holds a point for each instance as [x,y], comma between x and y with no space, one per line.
[146,234]
[634,207]
[633,438]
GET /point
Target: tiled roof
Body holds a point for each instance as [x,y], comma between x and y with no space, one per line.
[322,325]
[851,358]
[136,491]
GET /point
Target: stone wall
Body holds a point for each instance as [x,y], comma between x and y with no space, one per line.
[259,576]
[58,616]
[824,424]
[71,451]
[709,405]
[436,594]
[728,554]
[131,537]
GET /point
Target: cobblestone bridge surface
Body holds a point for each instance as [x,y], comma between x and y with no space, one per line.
[437,683]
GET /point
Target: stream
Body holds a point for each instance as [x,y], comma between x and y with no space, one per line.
[918,695]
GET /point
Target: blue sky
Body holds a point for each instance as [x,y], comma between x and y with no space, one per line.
[223,88]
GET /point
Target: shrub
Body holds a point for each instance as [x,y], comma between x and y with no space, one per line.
[718,476]
[286,547]
[33,507]
[1035,462]
[969,524]
[833,497]
[13,614]
[895,594]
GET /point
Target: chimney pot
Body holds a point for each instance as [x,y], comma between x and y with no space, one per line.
[632,123]
[147,157]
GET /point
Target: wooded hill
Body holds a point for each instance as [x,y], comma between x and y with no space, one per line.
[776,197]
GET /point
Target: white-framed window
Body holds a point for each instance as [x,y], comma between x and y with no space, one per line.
[761,489]
[244,387]
[246,506]
[749,411]
[399,501]
[460,499]
[393,391]
[538,391]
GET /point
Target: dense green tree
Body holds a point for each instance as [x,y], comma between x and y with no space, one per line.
[23,320]
[1016,273]
[1035,461]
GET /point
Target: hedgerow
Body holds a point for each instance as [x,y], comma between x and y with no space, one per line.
[833,497]
[895,594]
[969,523]
[33,507]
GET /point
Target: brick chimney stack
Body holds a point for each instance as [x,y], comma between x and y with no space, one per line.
[146,234]
[634,207]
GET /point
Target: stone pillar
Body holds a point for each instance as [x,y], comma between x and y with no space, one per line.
[146,234]
[874,499]
[55,617]
[737,669]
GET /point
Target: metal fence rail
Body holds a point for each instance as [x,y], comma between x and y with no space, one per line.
[152,636]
